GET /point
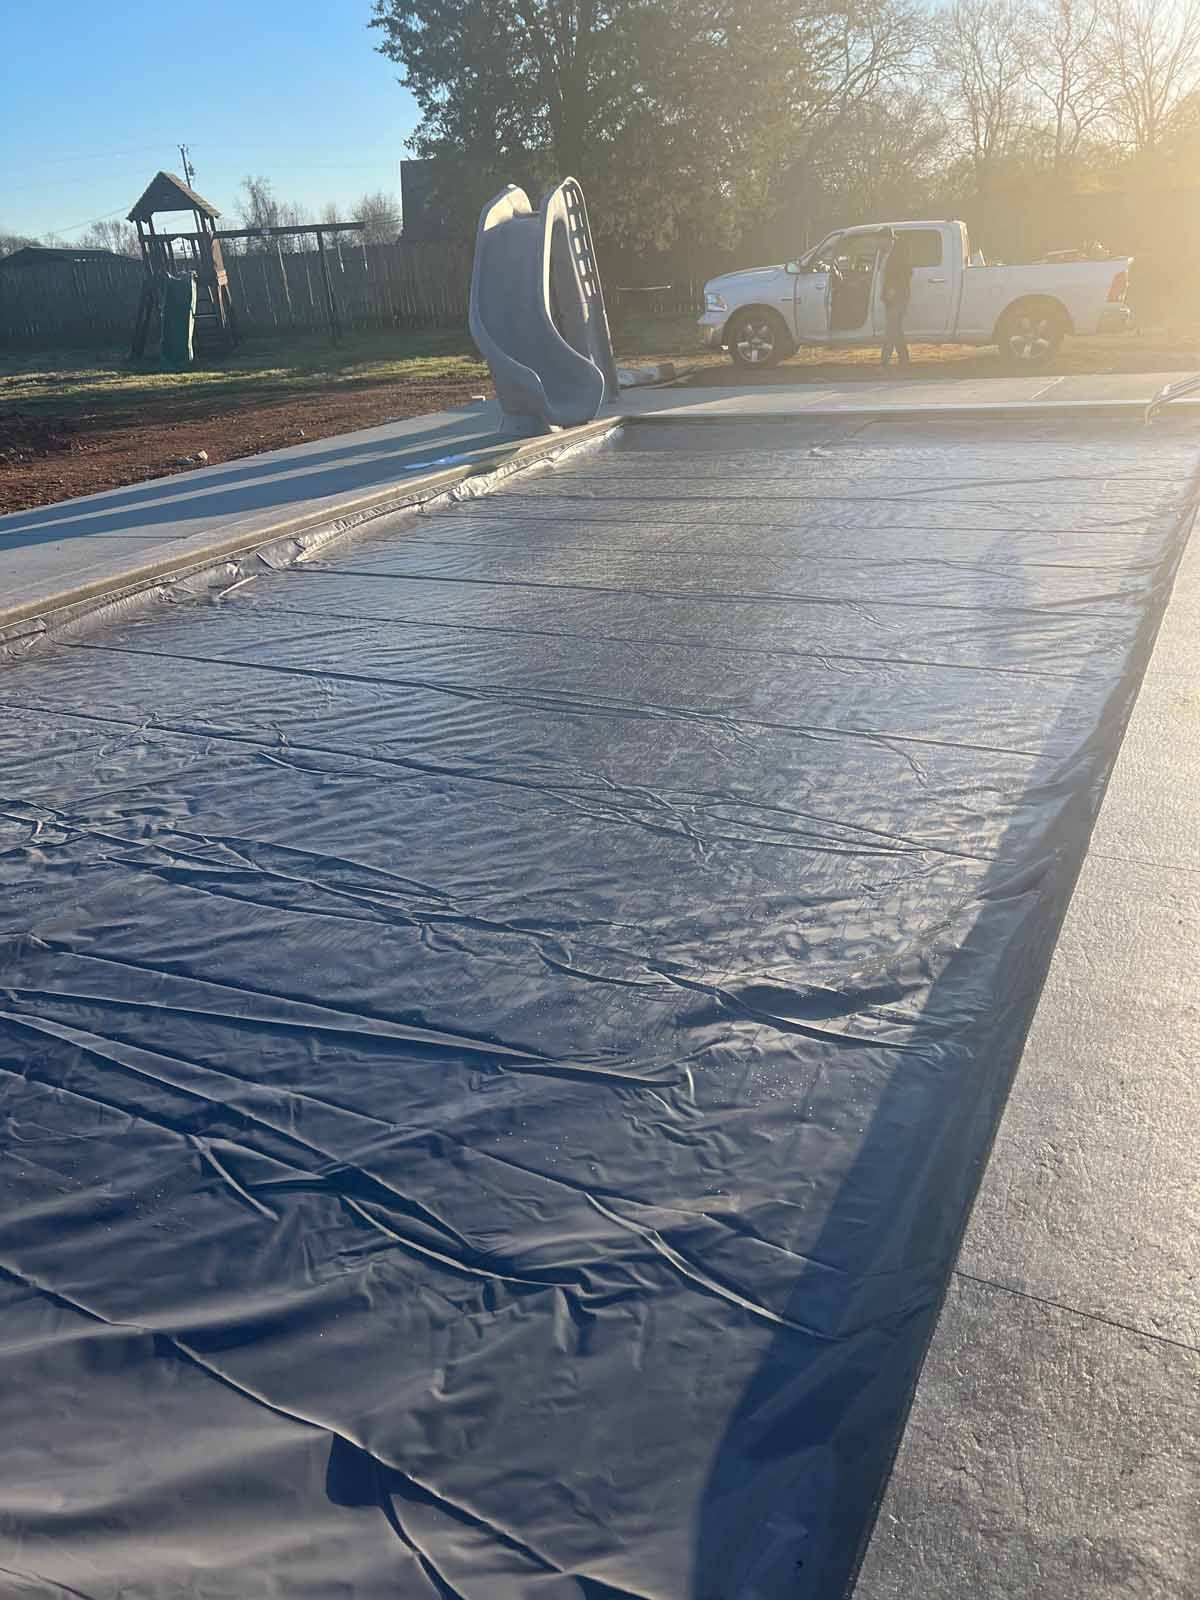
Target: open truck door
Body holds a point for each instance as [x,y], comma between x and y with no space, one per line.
[813,278]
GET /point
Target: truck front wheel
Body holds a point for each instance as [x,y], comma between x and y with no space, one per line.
[1030,332]
[757,337]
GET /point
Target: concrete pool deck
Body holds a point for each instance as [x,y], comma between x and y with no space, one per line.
[1052,1449]
[57,554]
[1114,393]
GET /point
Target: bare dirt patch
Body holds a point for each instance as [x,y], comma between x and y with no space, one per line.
[25,439]
[51,456]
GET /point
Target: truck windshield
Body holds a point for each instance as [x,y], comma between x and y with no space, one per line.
[820,251]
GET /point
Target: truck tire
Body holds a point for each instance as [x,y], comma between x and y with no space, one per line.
[1030,332]
[757,337]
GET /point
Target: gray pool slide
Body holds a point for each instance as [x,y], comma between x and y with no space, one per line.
[537,310]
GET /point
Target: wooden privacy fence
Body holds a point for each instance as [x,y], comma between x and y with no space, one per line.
[63,301]
[416,285]
[633,293]
[421,284]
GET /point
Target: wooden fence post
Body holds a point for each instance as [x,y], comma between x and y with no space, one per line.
[334,330]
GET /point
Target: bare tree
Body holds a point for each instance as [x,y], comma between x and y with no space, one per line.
[1151,50]
[886,161]
[259,207]
[851,52]
[381,214]
[261,210]
[9,242]
[1069,75]
[984,49]
[119,237]
[843,60]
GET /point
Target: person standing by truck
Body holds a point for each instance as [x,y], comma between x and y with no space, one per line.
[897,290]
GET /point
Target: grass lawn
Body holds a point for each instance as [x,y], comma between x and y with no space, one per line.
[276,369]
[261,369]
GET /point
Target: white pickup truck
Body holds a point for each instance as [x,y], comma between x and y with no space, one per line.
[833,296]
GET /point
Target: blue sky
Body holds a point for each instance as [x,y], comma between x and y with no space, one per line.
[95,95]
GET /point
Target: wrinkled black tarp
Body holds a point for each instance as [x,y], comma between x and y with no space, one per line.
[500,1029]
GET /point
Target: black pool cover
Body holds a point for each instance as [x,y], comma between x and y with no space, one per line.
[501,1028]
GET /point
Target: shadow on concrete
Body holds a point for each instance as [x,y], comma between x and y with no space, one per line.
[278,480]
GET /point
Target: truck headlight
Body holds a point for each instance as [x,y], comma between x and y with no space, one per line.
[714,302]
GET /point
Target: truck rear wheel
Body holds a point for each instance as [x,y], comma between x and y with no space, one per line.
[757,337]
[1030,332]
